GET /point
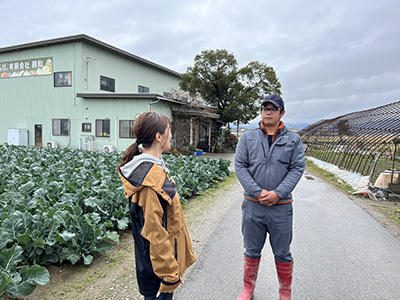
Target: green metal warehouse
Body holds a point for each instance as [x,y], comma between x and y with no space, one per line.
[79,92]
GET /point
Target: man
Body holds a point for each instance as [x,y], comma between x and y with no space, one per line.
[269,162]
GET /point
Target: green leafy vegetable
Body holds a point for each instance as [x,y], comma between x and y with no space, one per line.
[60,205]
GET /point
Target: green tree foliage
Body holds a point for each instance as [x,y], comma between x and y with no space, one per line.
[234,92]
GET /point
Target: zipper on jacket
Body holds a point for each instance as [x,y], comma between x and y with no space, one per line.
[176,249]
[262,145]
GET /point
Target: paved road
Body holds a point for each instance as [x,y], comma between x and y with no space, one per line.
[340,253]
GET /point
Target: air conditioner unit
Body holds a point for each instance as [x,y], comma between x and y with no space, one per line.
[108,148]
[52,144]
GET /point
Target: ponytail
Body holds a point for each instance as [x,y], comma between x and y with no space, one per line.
[129,153]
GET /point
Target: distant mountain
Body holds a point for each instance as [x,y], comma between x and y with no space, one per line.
[288,125]
[249,126]
[299,126]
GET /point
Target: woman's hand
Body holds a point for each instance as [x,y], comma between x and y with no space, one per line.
[158,294]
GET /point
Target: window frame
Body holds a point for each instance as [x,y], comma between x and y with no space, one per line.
[143,89]
[131,134]
[61,127]
[103,133]
[110,84]
[84,125]
[69,80]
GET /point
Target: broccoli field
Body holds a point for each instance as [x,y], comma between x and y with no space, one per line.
[66,205]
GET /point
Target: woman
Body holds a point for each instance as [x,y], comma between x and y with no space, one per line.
[163,250]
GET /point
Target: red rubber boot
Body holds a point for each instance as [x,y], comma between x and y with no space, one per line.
[285,274]
[250,271]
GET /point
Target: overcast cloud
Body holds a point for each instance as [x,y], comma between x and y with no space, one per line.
[331,57]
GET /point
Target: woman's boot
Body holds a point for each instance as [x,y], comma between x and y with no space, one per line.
[250,271]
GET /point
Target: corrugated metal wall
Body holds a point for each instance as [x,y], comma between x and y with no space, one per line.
[28,101]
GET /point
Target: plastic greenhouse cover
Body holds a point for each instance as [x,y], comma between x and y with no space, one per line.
[358,182]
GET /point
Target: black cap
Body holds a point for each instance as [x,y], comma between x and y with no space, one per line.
[275,100]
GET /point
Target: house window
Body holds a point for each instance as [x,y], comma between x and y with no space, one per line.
[143,89]
[86,127]
[107,84]
[61,127]
[126,129]
[62,79]
[103,128]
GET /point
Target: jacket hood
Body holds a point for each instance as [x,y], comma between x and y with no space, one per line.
[147,173]
[131,166]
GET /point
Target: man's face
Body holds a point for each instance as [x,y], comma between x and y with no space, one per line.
[270,115]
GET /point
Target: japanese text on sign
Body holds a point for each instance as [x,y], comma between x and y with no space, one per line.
[26,67]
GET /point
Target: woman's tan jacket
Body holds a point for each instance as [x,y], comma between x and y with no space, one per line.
[163,248]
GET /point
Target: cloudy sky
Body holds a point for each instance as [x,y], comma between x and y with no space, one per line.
[331,57]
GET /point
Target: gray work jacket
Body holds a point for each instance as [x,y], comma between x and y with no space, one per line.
[278,168]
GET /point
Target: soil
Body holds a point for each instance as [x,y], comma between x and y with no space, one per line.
[112,275]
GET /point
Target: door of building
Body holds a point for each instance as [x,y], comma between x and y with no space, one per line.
[38,135]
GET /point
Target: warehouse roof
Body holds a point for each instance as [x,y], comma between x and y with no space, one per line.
[90,40]
[188,110]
